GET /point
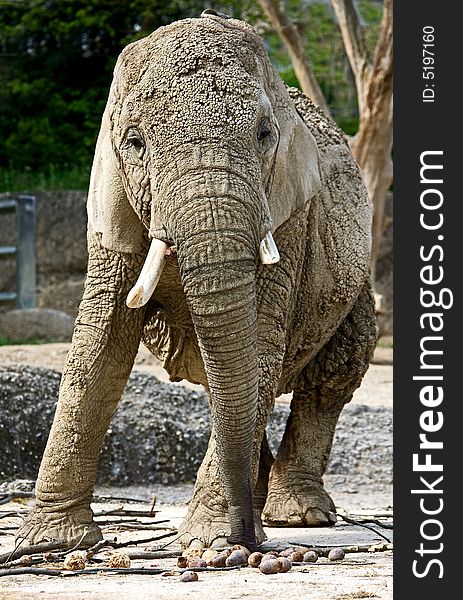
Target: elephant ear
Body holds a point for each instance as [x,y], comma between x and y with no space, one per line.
[295,176]
[109,211]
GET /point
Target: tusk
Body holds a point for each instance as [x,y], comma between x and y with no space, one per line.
[149,276]
[268,250]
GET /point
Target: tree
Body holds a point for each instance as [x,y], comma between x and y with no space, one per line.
[372,144]
[56,62]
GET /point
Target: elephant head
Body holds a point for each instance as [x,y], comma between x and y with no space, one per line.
[200,147]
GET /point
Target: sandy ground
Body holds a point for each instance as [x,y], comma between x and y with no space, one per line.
[359,575]
[376,388]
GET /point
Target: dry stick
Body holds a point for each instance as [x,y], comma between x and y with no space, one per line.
[13,495]
[325,550]
[129,571]
[142,541]
[98,498]
[27,550]
[120,512]
[129,520]
[97,547]
[158,554]
[29,571]
[377,522]
[9,513]
[354,522]
[136,526]
[152,505]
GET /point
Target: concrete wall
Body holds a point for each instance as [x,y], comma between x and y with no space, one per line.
[62,254]
[61,250]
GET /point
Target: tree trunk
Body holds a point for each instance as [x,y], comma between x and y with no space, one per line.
[295,46]
[372,145]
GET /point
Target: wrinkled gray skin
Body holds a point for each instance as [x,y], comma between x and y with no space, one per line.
[202,146]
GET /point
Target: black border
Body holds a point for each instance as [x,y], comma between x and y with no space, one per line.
[420,127]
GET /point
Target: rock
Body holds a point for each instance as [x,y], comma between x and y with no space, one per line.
[44,324]
[160,432]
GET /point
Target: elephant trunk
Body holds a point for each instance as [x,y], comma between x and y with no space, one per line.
[217,265]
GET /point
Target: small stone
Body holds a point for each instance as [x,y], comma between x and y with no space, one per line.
[270,566]
[310,557]
[196,562]
[336,554]
[219,560]
[296,556]
[268,555]
[119,560]
[287,552]
[255,559]
[188,576]
[285,564]
[192,552]
[242,549]
[236,558]
[182,562]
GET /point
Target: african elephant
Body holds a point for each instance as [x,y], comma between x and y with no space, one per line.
[229,230]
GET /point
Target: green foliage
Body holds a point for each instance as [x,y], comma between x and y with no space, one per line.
[316,22]
[10,342]
[49,178]
[57,57]
[56,62]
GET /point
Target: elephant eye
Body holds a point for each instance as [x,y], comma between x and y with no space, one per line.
[135,140]
[263,133]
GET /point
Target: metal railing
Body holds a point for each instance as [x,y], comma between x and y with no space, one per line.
[24,251]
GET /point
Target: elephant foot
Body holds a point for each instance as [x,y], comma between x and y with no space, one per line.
[298,504]
[206,528]
[72,528]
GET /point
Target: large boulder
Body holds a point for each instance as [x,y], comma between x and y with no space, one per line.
[43,324]
[160,432]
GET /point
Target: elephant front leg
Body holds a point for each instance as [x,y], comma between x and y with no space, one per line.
[207,524]
[296,496]
[100,359]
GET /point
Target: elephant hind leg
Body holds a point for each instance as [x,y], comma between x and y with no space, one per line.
[296,496]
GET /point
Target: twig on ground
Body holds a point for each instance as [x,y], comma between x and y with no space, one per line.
[93,550]
[8,530]
[152,505]
[136,526]
[143,541]
[325,550]
[158,554]
[98,498]
[9,513]
[377,522]
[30,571]
[355,522]
[29,550]
[94,571]
[5,498]
[121,512]
[129,520]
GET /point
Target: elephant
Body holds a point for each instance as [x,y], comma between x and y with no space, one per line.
[229,231]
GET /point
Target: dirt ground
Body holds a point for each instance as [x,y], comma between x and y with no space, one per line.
[376,388]
[359,575]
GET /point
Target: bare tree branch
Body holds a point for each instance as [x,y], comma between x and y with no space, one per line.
[372,144]
[294,44]
[354,43]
